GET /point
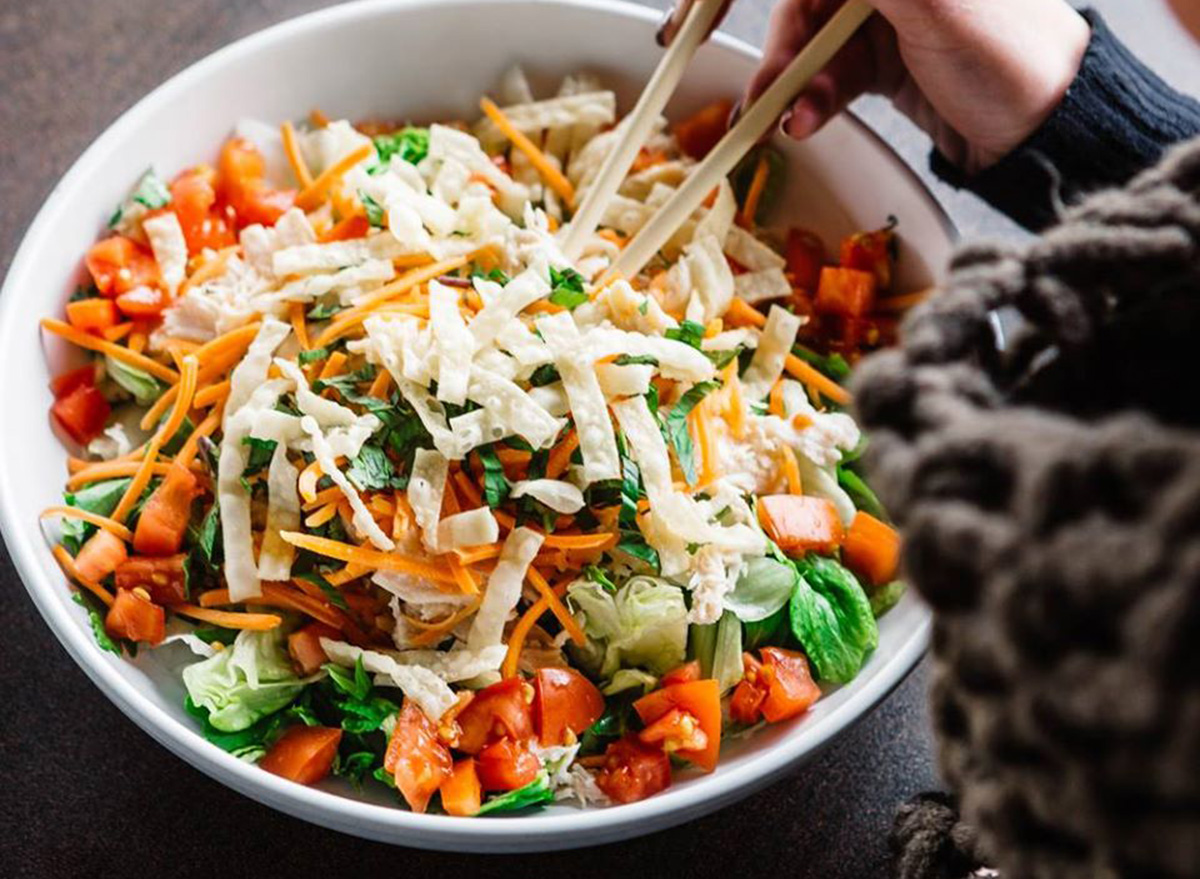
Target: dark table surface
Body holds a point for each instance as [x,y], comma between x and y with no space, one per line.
[83,792]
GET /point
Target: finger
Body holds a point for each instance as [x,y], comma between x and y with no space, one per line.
[852,72]
[675,18]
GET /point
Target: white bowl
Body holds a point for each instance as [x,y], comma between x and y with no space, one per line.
[420,59]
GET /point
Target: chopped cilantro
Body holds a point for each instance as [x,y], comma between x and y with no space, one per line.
[566,288]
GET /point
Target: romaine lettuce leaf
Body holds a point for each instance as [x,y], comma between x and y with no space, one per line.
[643,624]
[764,586]
[831,618]
[142,385]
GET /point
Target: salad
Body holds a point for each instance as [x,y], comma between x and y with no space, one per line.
[432,504]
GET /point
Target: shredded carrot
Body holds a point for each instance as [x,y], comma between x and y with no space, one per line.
[299,324]
[321,498]
[735,409]
[371,558]
[552,175]
[381,385]
[463,577]
[307,482]
[141,478]
[234,340]
[112,470]
[516,639]
[560,455]
[211,395]
[543,306]
[613,236]
[333,366]
[91,518]
[740,313]
[137,341]
[791,471]
[352,317]
[117,352]
[317,118]
[557,607]
[470,492]
[208,269]
[713,328]
[800,422]
[292,150]
[436,633]
[314,193]
[281,596]
[324,514]
[154,414]
[758,183]
[816,380]
[775,399]
[710,471]
[68,565]
[346,574]
[120,331]
[580,541]
[211,422]
[475,554]
[255,622]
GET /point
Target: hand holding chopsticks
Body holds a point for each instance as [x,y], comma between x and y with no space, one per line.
[754,122]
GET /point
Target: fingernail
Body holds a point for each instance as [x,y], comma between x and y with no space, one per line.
[784,120]
[660,36]
[736,112]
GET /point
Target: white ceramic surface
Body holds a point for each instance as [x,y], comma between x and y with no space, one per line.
[419,59]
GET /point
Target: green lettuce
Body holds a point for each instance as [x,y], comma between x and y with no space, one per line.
[535,794]
[643,624]
[764,586]
[244,683]
[142,385]
[718,648]
[831,617]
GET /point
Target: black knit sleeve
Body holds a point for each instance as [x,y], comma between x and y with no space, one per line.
[1117,119]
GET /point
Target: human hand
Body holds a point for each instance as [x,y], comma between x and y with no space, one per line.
[979,77]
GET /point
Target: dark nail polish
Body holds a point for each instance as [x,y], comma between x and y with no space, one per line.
[660,36]
[736,112]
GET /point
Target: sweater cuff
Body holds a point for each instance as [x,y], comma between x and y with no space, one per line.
[1117,119]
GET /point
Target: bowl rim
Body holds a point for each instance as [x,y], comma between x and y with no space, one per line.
[388,823]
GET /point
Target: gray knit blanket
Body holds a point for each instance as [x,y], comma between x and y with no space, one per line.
[1037,434]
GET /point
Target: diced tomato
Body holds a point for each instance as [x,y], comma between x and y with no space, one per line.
[499,710]
[462,794]
[84,377]
[701,700]
[506,765]
[675,731]
[303,754]
[82,413]
[845,292]
[419,762]
[135,618]
[872,549]
[164,518]
[746,704]
[240,184]
[100,556]
[164,578]
[789,684]
[689,671]
[193,200]
[800,523]
[633,771]
[143,303]
[870,252]
[699,133]
[92,315]
[647,158]
[304,646]
[805,255]
[356,226]
[564,700]
[118,264]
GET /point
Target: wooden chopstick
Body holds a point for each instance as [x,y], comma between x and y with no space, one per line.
[742,137]
[638,124]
